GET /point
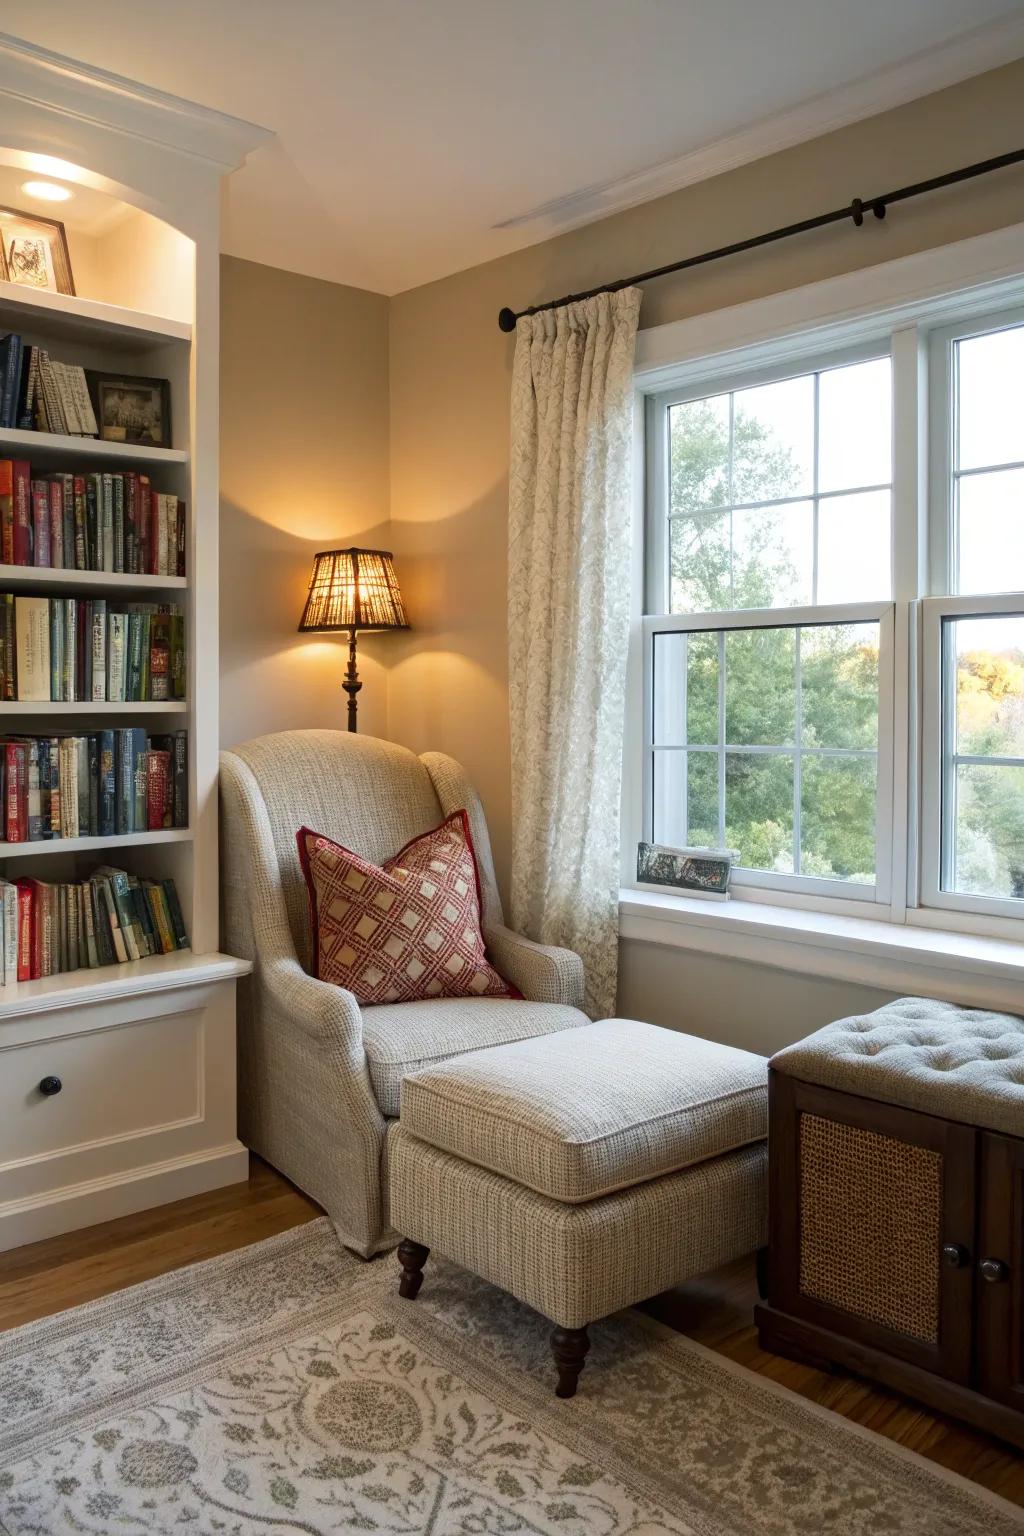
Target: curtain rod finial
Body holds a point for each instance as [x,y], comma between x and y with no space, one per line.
[506,320]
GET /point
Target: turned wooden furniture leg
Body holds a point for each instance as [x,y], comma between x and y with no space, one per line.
[569,1347]
[412,1257]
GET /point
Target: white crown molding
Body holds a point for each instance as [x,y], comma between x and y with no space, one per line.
[35,75]
[972,53]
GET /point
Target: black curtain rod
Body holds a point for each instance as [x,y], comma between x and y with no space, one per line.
[877,205]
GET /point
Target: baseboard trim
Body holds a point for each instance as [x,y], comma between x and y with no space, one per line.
[121,1194]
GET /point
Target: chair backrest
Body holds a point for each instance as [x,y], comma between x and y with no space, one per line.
[370,795]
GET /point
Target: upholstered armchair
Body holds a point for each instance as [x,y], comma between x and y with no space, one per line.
[320,1076]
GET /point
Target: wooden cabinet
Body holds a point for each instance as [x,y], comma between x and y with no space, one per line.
[1000,1306]
[897,1249]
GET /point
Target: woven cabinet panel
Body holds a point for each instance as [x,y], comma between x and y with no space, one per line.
[870,1211]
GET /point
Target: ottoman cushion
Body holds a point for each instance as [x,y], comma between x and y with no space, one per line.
[959,1063]
[399,1037]
[580,1113]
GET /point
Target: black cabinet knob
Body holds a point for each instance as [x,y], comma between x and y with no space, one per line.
[995,1271]
[49,1086]
[954,1255]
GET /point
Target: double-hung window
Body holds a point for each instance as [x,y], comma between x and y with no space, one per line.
[972,640]
[833,659]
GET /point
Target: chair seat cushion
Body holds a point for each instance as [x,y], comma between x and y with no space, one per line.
[579,1114]
[405,930]
[405,1036]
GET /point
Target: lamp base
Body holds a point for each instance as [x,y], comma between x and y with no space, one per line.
[352,683]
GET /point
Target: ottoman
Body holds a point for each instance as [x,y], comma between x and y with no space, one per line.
[582,1171]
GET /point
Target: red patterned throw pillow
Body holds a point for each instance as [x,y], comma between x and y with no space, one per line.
[402,932]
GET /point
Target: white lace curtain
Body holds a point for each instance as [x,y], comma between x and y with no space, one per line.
[569,564]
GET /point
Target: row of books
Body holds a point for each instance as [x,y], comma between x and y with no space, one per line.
[39,393]
[76,649]
[91,522]
[47,928]
[105,784]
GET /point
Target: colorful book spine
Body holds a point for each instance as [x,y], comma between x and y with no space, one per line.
[41,523]
[7,511]
[55,507]
[22,494]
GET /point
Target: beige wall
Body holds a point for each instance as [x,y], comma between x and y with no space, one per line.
[305,442]
[304,466]
[450,374]
[755,1007]
[451,368]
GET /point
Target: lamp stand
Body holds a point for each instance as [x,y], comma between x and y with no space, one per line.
[352,683]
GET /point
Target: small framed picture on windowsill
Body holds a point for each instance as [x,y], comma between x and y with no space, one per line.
[703,872]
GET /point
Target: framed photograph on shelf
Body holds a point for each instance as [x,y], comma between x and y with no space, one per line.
[130,409]
[35,252]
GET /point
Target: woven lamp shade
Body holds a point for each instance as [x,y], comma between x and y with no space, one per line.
[353,589]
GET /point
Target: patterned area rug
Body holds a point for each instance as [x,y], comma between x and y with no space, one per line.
[286,1388]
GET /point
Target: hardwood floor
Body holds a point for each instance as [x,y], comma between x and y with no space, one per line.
[716,1310]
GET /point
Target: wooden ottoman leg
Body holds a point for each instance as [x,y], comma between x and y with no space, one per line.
[412,1257]
[569,1347]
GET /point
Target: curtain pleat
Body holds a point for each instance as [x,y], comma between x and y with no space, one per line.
[570,493]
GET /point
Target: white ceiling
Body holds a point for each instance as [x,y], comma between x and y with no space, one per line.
[418,137]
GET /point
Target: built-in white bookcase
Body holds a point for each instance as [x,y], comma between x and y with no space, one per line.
[144,1051]
[115,339]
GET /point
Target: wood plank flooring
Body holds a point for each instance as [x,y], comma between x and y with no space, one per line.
[716,1310]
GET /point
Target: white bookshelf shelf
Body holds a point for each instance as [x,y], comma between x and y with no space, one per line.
[55,445]
[45,578]
[93,844]
[109,983]
[86,320]
[26,708]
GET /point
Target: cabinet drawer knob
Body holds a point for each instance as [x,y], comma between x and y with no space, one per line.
[49,1086]
[995,1271]
[954,1255]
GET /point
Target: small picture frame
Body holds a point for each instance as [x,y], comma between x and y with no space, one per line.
[703,872]
[131,409]
[35,252]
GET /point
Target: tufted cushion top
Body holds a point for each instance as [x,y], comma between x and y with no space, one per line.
[583,1112]
[957,1063]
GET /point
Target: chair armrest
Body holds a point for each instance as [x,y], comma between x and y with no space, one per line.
[325,1013]
[542,973]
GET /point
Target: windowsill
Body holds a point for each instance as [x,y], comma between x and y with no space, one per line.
[931,962]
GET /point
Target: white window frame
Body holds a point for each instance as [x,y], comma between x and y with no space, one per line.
[657,411]
[882,613]
[907,303]
[938,755]
[839,895]
[942,523]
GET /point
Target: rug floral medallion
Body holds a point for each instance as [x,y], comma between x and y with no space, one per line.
[286,1388]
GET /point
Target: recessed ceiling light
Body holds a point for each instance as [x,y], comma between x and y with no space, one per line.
[46,191]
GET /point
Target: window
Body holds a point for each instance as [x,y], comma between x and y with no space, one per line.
[766,728]
[772,501]
[806,610]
